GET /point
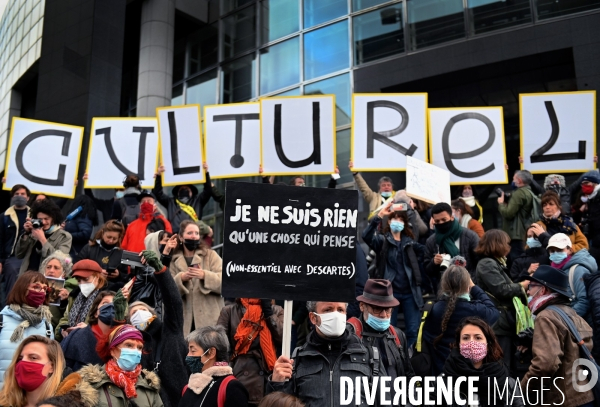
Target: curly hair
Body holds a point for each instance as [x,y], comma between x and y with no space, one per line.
[47,207]
[65,261]
[494,353]
[455,281]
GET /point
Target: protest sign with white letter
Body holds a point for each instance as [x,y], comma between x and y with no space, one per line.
[558,131]
[427,182]
[232,134]
[180,144]
[469,143]
[386,129]
[289,243]
[298,135]
[44,156]
[120,147]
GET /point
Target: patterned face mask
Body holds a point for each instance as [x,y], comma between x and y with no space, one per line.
[476,351]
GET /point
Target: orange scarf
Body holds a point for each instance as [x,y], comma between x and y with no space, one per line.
[253,316]
[123,379]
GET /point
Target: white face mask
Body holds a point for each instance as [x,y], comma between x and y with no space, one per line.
[87,288]
[140,319]
[333,324]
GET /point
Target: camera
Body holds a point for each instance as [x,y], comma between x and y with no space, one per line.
[445,261]
[585,226]
[36,223]
[499,192]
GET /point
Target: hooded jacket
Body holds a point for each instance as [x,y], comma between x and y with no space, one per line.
[152,243]
[9,233]
[136,231]
[72,388]
[59,239]
[585,264]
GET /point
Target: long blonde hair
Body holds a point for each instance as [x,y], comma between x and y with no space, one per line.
[11,394]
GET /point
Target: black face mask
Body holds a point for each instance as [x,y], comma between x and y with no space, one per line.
[161,248]
[445,227]
[191,244]
[184,196]
[107,246]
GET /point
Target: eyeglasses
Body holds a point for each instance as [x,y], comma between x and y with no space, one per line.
[379,310]
[38,287]
[534,286]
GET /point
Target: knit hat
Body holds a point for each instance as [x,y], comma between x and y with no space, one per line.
[401,196]
[123,332]
[554,177]
[591,176]
[85,268]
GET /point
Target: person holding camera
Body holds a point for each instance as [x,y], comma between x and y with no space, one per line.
[43,235]
[399,260]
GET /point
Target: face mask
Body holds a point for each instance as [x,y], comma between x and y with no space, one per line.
[87,289]
[29,375]
[476,351]
[120,194]
[467,193]
[18,201]
[191,244]
[195,363]
[558,257]
[533,242]
[444,228]
[333,324]
[513,185]
[129,359]
[35,299]
[147,208]
[161,248]
[396,226]
[106,245]
[587,189]
[107,313]
[140,319]
[386,194]
[378,324]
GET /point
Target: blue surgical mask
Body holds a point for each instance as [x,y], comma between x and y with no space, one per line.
[386,194]
[107,313]
[120,194]
[529,299]
[129,359]
[396,226]
[533,242]
[378,324]
[558,257]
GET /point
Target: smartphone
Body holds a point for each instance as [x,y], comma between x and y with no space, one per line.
[400,207]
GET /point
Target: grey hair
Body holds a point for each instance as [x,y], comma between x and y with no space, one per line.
[64,259]
[524,176]
[311,306]
[211,337]
[385,179]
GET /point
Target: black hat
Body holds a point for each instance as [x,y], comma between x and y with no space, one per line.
[554,279]
[378,292]
[145,194]
[175,190]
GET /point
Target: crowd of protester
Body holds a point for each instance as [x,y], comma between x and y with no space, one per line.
[437,294]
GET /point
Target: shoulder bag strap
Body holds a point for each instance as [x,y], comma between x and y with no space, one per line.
[567,320]
[223,390]
[571,279]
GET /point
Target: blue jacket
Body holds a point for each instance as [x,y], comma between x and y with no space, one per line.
[480,306]
[7,348]
[80,229]
[586,264]
[375,242]
[79,348]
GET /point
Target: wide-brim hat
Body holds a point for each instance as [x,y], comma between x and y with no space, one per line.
[555,279]
[175,190]
[378,292]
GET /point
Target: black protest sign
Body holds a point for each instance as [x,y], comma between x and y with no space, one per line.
[289,243]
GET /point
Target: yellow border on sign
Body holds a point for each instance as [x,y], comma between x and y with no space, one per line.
[595,165]
[355,169]
[202,155]
[253,174]
[268,174]
[90,151]
[10,140]
[503,140]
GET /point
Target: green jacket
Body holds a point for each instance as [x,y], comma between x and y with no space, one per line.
[516,215]
[110,395]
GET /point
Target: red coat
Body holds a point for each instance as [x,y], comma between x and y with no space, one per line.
[136,232]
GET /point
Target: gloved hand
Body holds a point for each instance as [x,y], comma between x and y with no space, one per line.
[152,259]
[120,304]
[266,308]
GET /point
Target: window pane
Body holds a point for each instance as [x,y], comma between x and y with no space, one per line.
[361,4]
[229,5]
[378,34]
[179,60]
[489,15]
[238,80]
[279,18]
[326,50]
[554,8]
[320,11]
[291,92]
[204,49]
[273,73]
[435,21]
[202,89]
[177,96]
[338,86]
[239,32]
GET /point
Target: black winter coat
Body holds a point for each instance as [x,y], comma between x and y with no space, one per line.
[518,270]
[468,242]
[236,394]
[80,229]
[592,285]
[10,231]
[164,343]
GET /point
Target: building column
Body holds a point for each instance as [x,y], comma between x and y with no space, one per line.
[155,72]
